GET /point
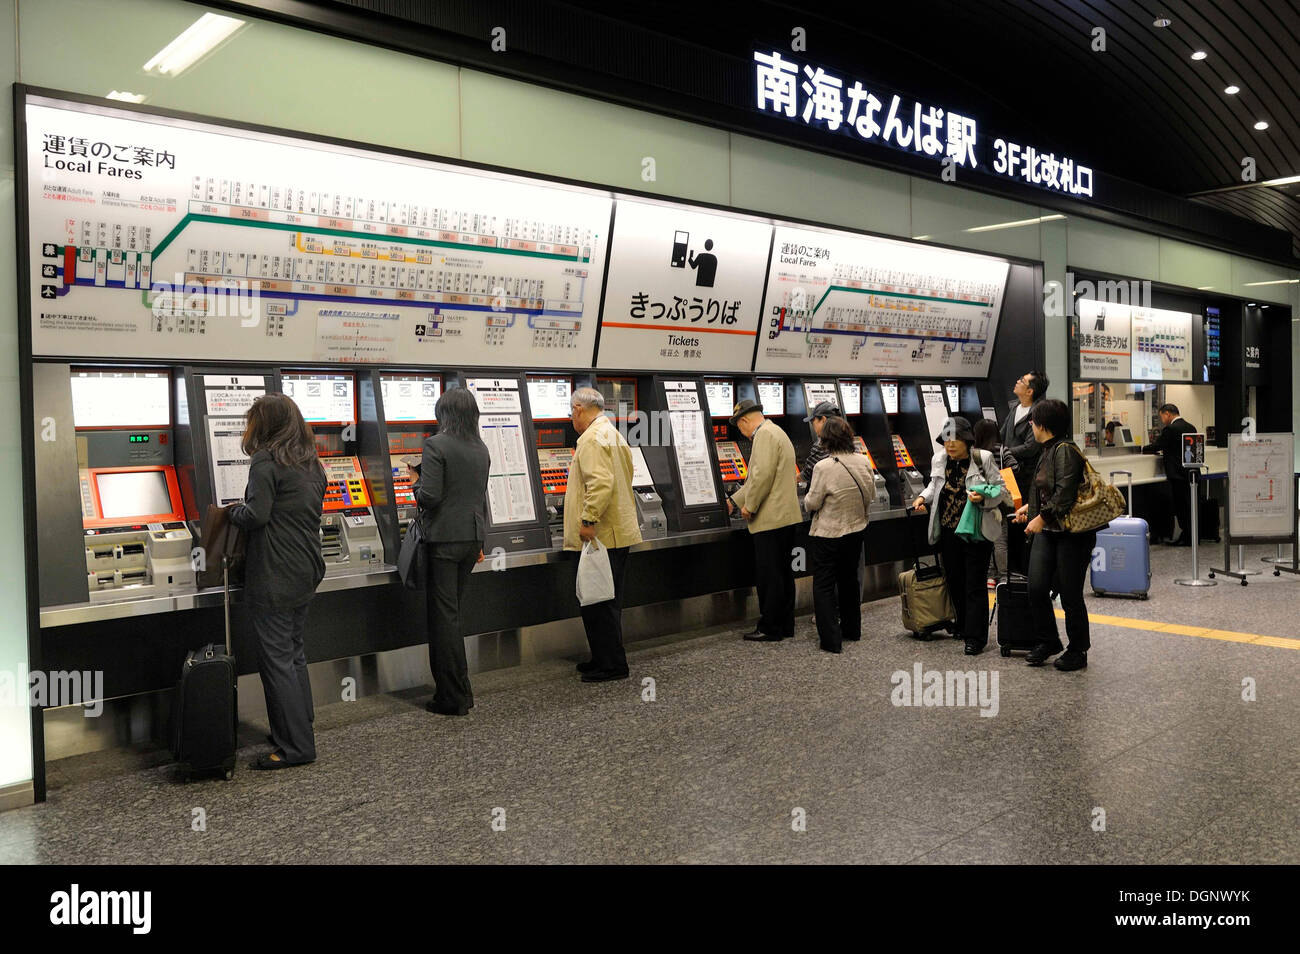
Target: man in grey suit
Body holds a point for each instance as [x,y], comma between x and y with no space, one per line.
[452,494]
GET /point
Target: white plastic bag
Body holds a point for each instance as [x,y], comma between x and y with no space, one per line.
[595,578]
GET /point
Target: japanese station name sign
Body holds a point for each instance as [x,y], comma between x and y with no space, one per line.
[822,100]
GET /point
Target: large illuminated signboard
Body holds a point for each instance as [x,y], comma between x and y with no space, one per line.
[825,100]
[154,236]
[840,303]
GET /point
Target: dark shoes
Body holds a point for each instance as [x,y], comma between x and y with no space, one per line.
[271,761]
[1071,661]
[604,675]
[758,636]
[439,709]
[588,666]
[973,648]
[1042,652]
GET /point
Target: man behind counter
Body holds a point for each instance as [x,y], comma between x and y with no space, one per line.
[769,501]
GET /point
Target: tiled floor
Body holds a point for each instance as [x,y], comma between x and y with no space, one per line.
[766,753]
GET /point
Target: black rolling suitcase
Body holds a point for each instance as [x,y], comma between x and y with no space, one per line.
[203,724]
[1011,599]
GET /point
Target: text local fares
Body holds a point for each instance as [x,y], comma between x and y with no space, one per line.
[83,165]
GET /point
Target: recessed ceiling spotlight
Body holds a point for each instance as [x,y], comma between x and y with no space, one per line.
[1232,90]
[1261,125]
[1161,21]
[1200,55]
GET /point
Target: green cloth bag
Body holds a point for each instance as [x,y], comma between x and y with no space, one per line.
[970,527]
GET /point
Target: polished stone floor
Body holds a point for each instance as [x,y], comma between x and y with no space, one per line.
[767,753]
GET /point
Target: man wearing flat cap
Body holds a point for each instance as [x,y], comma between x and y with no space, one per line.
[769,502]
[817,418]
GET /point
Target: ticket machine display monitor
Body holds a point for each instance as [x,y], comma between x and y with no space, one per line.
[889,396]
[549,397]
[851,392]
[322,398]
[771,394]
[953,394]
[721,394]
[126,398]
[410,398]
[133,494]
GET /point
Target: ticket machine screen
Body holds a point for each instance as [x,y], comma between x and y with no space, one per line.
[103,398]
[553,464]
[410,397]
[889,396]
[771,394]
[139,494]
[322,398]
[550,397]
[901,457]
[731,463]
[953,393]
[851,391]
[721,395]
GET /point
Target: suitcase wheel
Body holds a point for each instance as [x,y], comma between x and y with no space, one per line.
[1146,596]
[230,773]
[1006,651]
[1243,583]
[1211,574]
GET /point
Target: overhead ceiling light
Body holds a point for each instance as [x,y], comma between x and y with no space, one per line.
[919,238]
[1199,55]
[126,97]
[1261,125]
[1015,225]
[203,35]
[1232,90]
[1161,21]
[1280,281]
[1286,181]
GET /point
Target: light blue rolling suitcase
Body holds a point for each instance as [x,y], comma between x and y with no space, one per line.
[1126,553]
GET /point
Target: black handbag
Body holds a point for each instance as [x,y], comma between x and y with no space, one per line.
[411,558]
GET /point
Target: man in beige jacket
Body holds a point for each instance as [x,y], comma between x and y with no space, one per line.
[599,505]
[769,501]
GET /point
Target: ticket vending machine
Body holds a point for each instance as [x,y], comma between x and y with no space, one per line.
[622,407]
[863,423]
[907,430]
[649,505]
[517,517]
[349,532]
[722,394]
[136,540]
[680,452]
[550,397]
[409,400]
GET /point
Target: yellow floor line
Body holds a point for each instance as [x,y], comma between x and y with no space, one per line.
[1154,626]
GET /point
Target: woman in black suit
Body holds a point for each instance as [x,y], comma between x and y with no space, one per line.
[452,494]
[280,514]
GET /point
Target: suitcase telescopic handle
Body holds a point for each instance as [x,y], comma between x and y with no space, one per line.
[1129,475]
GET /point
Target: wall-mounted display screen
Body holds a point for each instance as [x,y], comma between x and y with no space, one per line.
[889,396]
[322,398]
[102,398]
[410,397]
[133,494]
[771,394]
[953,394]
[1212,370]
[721,394]
[851,392]
[549,396]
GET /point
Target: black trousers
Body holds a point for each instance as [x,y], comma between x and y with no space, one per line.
[604,621]
[837,591]
[1060,560]
[1180,490]
[449,566]
[965,568]
[282,662]
[774,581]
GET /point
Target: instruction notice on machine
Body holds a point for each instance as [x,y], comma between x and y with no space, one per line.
[495,394]
[229,463]
[936,412]
[682,395]
[1261,485]
[510,494]
[692,458]
[232,395]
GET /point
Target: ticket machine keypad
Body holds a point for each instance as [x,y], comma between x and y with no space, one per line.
[553,464]
[731,462]
[901,457]
[344,485]
[861,447]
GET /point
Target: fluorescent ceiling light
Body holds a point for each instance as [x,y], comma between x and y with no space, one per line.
[1280,281]
[1286,181]
[1232,90]
[203,35]
[126,97]
[1261,125]
[1199,55]
[1014,225]
[1204,287]
[919,238]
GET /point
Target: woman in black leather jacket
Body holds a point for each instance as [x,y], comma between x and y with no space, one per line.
[1057,558]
